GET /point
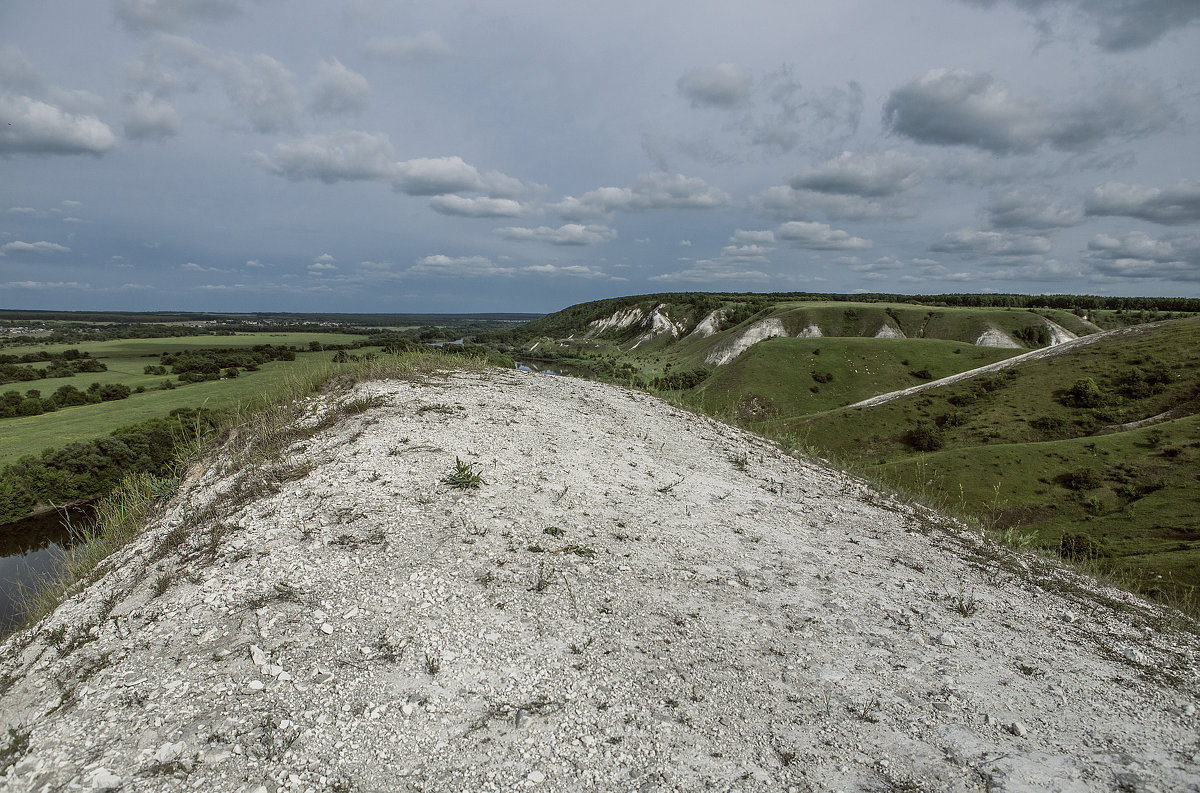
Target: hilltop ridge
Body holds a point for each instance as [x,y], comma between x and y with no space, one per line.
[633,598]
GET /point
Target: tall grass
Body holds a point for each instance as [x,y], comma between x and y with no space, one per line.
[249,437]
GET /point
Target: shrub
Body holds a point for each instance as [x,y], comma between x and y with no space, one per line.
[1083,479]
[822,377]
[1082,546]
[925,437]
[1084,393]
[923,374]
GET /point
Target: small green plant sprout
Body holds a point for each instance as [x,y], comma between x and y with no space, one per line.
[464,476]
[964,602]
[553,531]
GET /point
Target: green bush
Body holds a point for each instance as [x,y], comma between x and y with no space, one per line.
[1082,546]
[1084,393]
[925,437]
[822,377]
[1083,479]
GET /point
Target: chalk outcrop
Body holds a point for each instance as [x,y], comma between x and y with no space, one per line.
[759,331]
[636,599]
[994,337]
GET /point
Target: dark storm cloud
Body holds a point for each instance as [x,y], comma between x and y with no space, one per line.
[1030,208]
[725,85]
[953,107]
[1121,24]
[1174,205]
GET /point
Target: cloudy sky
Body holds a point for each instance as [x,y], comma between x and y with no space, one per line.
[379,155]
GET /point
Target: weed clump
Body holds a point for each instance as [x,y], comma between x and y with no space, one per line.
[464,476]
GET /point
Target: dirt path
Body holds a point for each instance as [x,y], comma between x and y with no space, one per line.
[1032,355]
[636,599]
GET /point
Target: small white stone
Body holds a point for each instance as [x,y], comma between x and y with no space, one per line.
[257,655]
[1018,729]
[946,640]
[326,628]
[319,615]
[536,777]
[256,685]
[103,779]
[169,752]
[1189,709]
[351,614]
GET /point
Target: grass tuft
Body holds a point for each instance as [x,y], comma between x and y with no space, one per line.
[464,476]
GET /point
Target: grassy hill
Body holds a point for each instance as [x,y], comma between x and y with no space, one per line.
[1091,454]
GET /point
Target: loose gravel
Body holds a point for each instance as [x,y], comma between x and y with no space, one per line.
[636,598]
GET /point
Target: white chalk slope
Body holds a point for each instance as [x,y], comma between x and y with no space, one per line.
[638,599]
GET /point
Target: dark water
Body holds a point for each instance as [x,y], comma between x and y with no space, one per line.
[30,552]
[548,367]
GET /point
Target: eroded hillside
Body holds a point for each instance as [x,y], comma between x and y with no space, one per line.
[633,597]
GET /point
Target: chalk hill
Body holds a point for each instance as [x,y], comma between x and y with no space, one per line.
[636,598]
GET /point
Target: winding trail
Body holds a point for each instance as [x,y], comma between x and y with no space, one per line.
[1032,355]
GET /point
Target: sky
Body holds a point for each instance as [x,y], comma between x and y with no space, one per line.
[389,156]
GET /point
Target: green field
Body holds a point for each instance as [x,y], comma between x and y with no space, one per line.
[126,360]
[774,380]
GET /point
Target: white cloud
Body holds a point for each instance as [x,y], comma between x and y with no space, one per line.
[653,191]
[30,126]
[347,155]
[350,155]
[1030,208]
[1169,206]
[755,237]
[148,117]
[337,90]
[322,264]
[953,107]
[711,271]
[45,285]
[725,85]
[872,175]
[33,247]
[424,47]
[476,207]
[261,88]
[819,236]
[441,265]
[1138,255]
[151,15]
[783,202]
[569,234]
[974,243]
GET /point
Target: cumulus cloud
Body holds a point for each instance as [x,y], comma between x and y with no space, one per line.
[783,202]
[480,207]
[1122,25]
[151,15]
[350,155]
[743,237]
[31,126]
[650,192]
[441,265]
[337,90]
[819,236]
[709,271]
[959,108]
[569,234]
[323,264]
[147,117]
[45,285]
[261,88]
[343,156]
[972,243]
[871,175]
[725,85]
[424,47]
[1169,206]
[33,247]
[1138,255]
[1030,208]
